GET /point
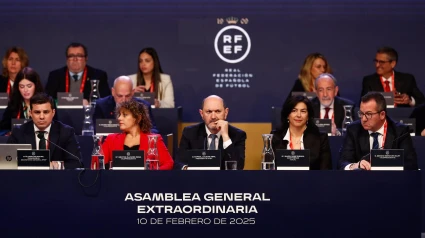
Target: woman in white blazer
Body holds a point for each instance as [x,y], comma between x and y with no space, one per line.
[150,78]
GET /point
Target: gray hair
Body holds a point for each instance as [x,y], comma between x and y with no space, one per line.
[325,75]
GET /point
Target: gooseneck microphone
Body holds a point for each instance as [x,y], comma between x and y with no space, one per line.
[74,157]
[368,154]
[41,137]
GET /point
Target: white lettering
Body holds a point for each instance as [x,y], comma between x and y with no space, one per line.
[227,39]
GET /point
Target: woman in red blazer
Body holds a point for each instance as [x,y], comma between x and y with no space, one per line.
[135,125]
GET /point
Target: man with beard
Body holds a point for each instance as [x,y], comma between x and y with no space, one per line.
[214,133]
[327,105]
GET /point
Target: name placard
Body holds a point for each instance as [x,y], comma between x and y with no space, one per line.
[387,159]
[4,100]
[410,122]
[70,100]
[105,127]
[325,125]
[389,98]
[147,96]
[128,160]
[292,159]
[309,95]
[19,122]
[203,159]
[33,159]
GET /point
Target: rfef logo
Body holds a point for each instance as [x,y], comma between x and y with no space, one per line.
[232,44]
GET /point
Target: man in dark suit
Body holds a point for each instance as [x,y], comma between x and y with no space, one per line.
[76,75]
[121,91]
[42,127]
[215,132]
[327,105]
[419,114]
[386,79]
[375,130]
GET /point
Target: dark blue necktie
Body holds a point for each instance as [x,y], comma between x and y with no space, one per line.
[212,144]
[375,144]
[42,142]
[75,76]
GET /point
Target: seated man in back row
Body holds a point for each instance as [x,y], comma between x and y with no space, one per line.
[375,130]
[214,133]
[386,79]
[41,132]
[327,105]
[121,91]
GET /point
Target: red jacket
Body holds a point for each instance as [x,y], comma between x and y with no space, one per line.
[116,142]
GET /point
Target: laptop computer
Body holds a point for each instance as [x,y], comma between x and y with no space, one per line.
[8,155]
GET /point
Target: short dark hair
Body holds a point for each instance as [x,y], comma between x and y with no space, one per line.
[76,44]
[290,104]
[379,99]
[391,52]
[42,98]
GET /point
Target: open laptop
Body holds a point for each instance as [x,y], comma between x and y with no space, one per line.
[8,155]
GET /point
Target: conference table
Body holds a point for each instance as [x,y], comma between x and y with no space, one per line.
[105,203]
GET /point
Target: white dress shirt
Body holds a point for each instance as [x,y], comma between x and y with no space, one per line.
[217,139]
[288,136]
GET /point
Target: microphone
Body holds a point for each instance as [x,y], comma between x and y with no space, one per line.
[41,137]
[368,154]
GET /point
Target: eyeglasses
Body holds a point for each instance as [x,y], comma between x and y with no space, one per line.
[75,56]
[368,115]
[381,61]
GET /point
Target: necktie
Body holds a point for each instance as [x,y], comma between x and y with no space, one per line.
[387,86]
[75,76]
[42,142]
[375,144]
[212,144]
[327,112]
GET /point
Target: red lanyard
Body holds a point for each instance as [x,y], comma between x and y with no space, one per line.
[385,134]
[8,87]
[392,82]
[19,113]
[290,142]
[152,88]
[83,81]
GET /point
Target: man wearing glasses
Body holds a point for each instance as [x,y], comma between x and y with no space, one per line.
[76,75]
[375,130]
[406,91]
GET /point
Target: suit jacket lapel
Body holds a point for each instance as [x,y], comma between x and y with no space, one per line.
[30,135]
[389,139]
[397,82]
[202,141]
[308,140]
[53,137]
[364,142]
[338,113]
[377,84]
[111,105]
